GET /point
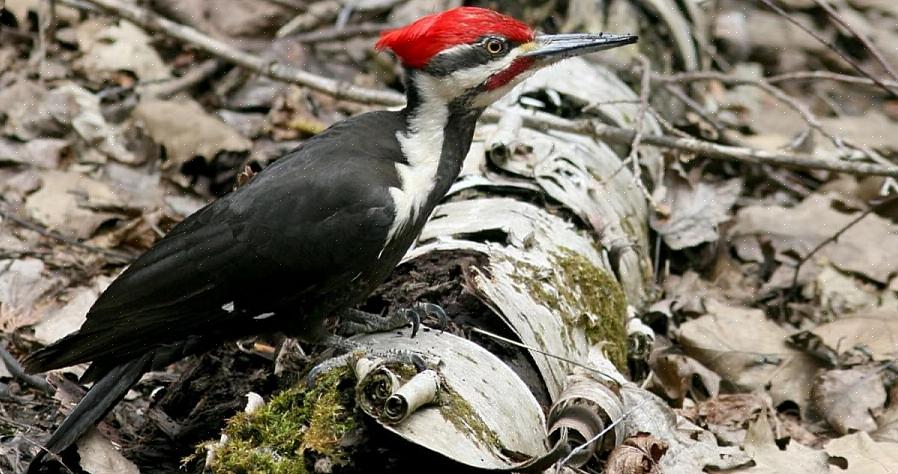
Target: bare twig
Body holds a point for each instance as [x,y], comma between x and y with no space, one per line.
[762,84]
[835,237]
[834,16]
[121,256]
[829,45]
[276,70]
[633,158]
[170,88]
[46,26]
[826,75]
[339,34]
[539,120]
[14,368]
[620,136]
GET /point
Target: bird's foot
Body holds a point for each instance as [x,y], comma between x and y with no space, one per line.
[355,351]
[361,322]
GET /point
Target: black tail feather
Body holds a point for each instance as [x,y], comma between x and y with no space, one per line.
[100,399]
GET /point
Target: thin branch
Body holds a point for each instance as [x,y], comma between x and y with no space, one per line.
[829,45]
[826,75]
[276,70]
[835,237]
[834,16]
[14,368]
[762,84]
[620,136]
[339,34]
[122,256]
[46,27]
[633,158]
[170,88]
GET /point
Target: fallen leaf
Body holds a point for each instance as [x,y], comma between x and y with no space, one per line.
[769,458]
[744,347]
[638,454]
[28,113]
[99,456]
[67,318]
[86,118]
[22,285]
[205,136]
[797,230]
[849,399]
[61,203]
[863,455]
[728,416]
[40,152]
[839,294]
[681,375]
[109,47]
[875,329]
[695,210]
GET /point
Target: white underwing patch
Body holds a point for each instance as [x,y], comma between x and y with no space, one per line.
[263,316]
[229,307]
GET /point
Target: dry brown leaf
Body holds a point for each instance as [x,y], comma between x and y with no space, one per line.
[638,454]
[770,459]
[680,375]
[22,285]
[695,210]
[863,455]
[40,152]
[109,47]
[99,456]
[839,294]
[797,230]
[728,416]
[187,131]
[28,113]
[876,329]
[61,203]
[744,347]
[849,399]
[67,317]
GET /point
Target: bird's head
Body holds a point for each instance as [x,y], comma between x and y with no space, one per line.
[477,55]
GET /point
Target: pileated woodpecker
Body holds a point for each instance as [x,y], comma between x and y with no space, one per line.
[315,232]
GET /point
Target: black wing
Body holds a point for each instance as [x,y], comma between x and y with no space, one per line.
[298,227]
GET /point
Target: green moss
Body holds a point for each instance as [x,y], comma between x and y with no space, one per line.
[460,413]
[585,295]
[297,421]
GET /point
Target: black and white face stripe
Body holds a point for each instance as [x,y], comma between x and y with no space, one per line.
[466,56]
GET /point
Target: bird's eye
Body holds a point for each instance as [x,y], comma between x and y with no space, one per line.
[495,46]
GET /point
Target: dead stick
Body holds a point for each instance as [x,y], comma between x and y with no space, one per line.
[829,45]
[834,16]
[19,373]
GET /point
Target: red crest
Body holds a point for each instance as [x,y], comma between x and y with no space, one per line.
[416,43]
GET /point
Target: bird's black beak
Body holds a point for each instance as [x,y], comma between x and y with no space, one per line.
[551,48]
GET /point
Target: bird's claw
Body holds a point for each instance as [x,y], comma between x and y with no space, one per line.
[396,356]
[413,314]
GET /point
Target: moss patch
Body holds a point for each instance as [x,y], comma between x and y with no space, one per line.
[460,413]
[296,422]
[583,294]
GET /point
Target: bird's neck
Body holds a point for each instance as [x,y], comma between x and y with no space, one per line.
[438,132]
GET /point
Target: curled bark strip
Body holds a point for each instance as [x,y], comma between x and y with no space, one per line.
[376,383]
[421,390]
